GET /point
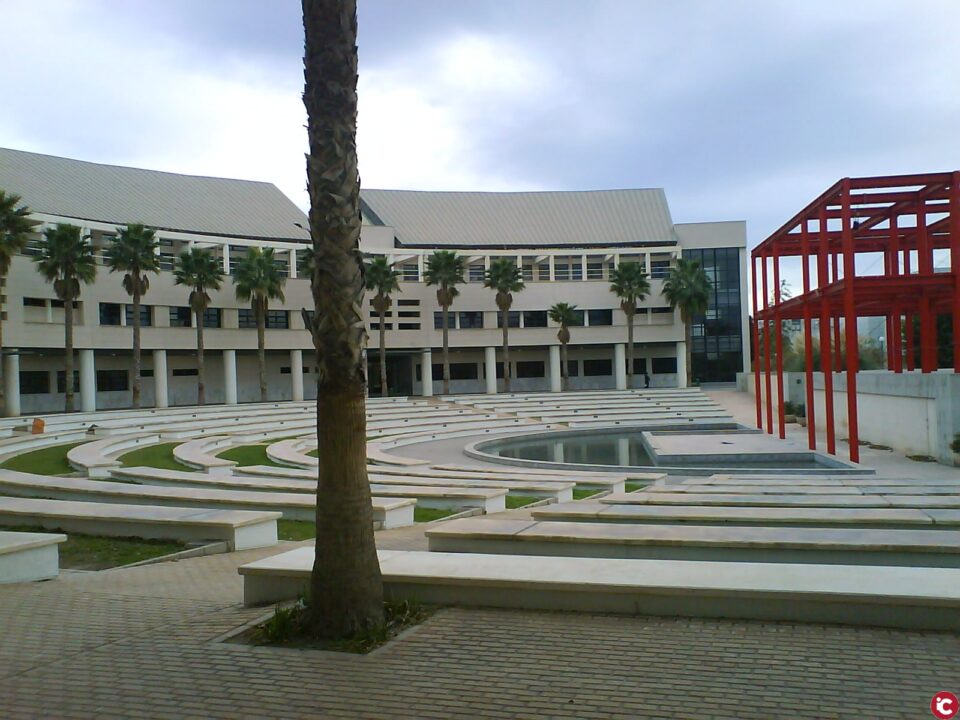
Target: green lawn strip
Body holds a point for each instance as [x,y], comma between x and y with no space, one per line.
[156,456]
[634,486]
[422,514]
[313,453]
[580,493]
[92,552]
[296,529]
[45,461]
[245,455]
[519,501]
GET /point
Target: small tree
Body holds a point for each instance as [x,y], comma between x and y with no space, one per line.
[628,281]
[445,270]
[382,278]
[134,252]
[564,315]
[199,270]
[687,287]
[15,229]
[505,277]
[258,280]
[66,260]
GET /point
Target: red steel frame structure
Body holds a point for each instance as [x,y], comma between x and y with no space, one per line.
[905,218]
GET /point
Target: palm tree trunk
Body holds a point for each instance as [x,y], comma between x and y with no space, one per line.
[201,370]
[68,354]
[384,391]
[564,368]
[3,397]
[446,349]
[506,349]
[261,312]
[687,333]
[136,345]
[630,350]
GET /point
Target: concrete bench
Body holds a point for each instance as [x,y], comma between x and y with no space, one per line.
[911,598]
[830,546]
[387,513]
[895,518]
[376,453]
[20,444]
[201,454]
[755,489]
[97,457]
[240,529]
[25,556]
[787,500]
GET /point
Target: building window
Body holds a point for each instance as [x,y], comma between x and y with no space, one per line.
[458,371]
[578,318]
[639,366]
[662,310]
[408,303]
[595,270]
[246,319]
[573,369]
[543,272]
[147,373]
[62,386]
[513,319]
[410,272]
[146,315]
[471,320]
[375,327]
[34,302]
[561,271]
[717,354]
[530,369]
[409,326]
[438,320]
[278,320]
[184,372]
[475,273]
[659,268]
[597,368]
[110,313]
[285,370]
[180,317]
[527,273]
[112,381]
[34,382]
[534,318]
[59,304]
[600,317]
[212,318]
[664,366]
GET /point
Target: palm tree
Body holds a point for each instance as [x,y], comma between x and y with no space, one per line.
[628,281]
[134,252]
[687,287]
[66,259]
[504,276]
[564,315]
[445,270]
[199,270]
[258,280]
[381,277]
[15,229]
[346,588]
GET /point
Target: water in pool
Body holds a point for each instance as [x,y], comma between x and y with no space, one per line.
[623,448]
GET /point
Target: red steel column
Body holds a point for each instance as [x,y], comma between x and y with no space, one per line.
[825,359]
[928,327]
[955,264]
[837,346]
[808,335]
[908,319]
[756,342]
[896,329]
[766,345]
[850,320]
[778,329]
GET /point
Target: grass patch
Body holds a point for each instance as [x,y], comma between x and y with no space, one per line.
[634,486]
[580,493]
[245,455]
[519,501]
[296,529]
[314,453]
[922,458]
[45,461]
[423,514]
[156,456]
[92,552]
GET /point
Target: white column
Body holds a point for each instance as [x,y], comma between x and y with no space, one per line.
[160,379]
[296,373]
[620,365]
[226,259]
[557,452]
[292,272]
[230,377]
[88,381]
[556,379]
[490,363]
[681,364]
[426,373]
[11,383]
[623,452]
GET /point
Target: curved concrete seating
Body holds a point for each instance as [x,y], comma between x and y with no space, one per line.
[26,556]
[97,457]
[240,529]
[291,453]
[914,548]
[465,430]
[585,477]
[377,454]
[951,502]
[27,443]
[201,454]
[388,513]
[914,598]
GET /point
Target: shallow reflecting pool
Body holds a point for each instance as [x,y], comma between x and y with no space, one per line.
[617,448]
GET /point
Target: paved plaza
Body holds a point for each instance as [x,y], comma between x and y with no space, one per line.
[147,642]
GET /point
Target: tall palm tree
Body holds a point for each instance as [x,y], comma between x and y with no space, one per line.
[381,277]
[628,281]
[66,259]
[346,588]
[258,280]
[134,252]
[199,270]
[505,277]
[15,229]
[445,270]
[564,315]
[687,287]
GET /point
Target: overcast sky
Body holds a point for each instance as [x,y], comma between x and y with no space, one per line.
[740,109]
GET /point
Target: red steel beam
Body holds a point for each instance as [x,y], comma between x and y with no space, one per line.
[766,346]
[778,329]
[850,318]
[756,342]
[955,264]
[825,361]
[808,340]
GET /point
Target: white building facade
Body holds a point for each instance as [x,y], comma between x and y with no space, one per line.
[566,244]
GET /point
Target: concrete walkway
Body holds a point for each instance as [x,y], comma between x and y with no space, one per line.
[143,643]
